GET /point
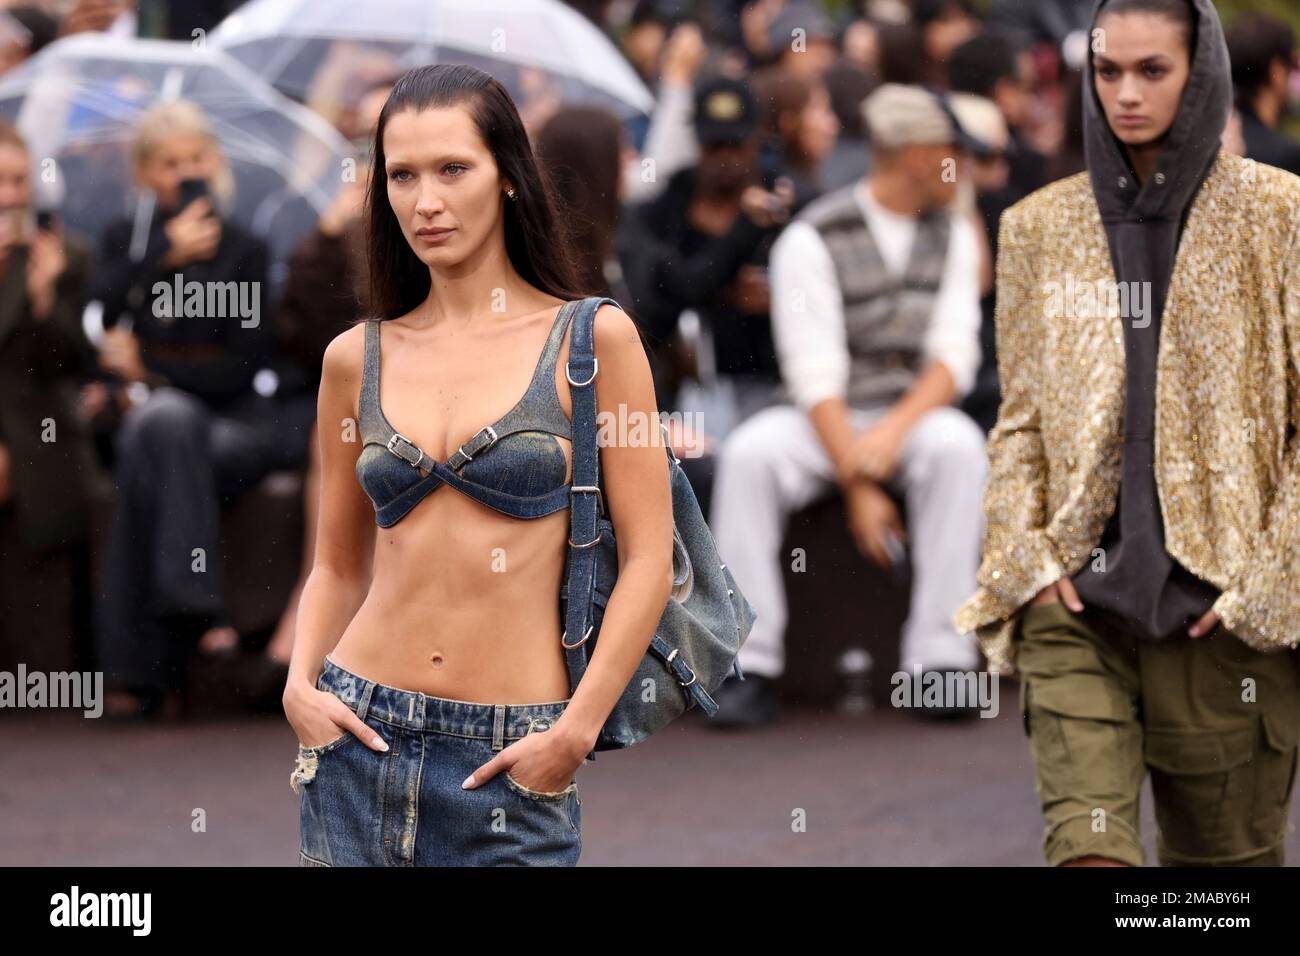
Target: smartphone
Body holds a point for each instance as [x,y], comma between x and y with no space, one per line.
[192,189]
[900,571]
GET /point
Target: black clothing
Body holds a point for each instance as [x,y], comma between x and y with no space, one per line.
[1142,585]
[1268,146]
[211,356]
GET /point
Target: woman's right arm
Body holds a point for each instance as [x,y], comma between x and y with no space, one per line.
[345,536]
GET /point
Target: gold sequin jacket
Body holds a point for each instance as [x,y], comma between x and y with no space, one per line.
[1227,454]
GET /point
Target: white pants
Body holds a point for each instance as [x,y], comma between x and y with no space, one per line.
[774,464]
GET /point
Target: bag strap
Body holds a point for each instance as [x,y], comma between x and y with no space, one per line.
[584,528]
[584,494]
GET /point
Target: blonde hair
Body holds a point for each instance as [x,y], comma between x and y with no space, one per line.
[181,118]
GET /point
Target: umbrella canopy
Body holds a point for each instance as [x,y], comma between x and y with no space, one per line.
[541,51]
[77,103]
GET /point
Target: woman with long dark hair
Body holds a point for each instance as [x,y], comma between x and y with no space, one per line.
[1143,506]
[433,709]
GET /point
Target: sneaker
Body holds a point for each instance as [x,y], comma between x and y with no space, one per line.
[750,702]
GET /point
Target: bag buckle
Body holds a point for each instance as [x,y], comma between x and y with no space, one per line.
[588,489]
[600,504]
[406,455]
[669,662]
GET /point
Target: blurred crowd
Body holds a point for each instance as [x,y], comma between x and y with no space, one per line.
[775,225]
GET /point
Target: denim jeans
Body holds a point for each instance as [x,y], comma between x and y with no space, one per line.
[405,806]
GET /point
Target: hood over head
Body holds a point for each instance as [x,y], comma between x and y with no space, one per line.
[1190,145]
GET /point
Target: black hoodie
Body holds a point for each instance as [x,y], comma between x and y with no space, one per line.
[1148,592]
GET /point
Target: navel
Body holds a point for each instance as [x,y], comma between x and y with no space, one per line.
[436,660]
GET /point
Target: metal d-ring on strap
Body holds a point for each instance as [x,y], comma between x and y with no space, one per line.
[580,643]
[595,367]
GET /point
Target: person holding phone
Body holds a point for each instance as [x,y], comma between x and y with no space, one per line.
[197,434]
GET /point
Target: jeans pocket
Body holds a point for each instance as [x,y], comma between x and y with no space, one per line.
[327,746]
[308,760]
[557,796]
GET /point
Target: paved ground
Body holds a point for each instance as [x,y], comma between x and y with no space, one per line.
[881,790]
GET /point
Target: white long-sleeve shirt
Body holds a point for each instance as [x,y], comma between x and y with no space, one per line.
[808,310]
[670,143]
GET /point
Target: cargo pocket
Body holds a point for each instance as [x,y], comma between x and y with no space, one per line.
[1275,775]
[1083,737]
[1204,783]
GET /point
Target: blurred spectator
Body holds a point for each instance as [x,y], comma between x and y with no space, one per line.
[903,57]
[582,150]
[861,45]
[944,25]
[669,144]
[850,158]
[875,291]
[644,40]
[115,17]
[1059,23]
[982,195]
[24,32]
[191,284]
[326,291]
[799,129]
[802,40]
[1069,159]
[46,462]
[702,245]
[48,472]
[989,65]
[1262,49]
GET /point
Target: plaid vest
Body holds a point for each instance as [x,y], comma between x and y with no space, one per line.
[886,315]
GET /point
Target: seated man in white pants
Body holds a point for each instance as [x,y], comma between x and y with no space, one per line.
[875,316]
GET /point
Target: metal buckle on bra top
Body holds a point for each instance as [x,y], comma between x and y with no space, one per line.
[492,433]
[406,456]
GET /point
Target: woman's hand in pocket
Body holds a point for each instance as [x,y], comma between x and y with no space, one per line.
[318,717]
[543,761]
[1061,590]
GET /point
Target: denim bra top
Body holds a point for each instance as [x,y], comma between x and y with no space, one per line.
[514,466]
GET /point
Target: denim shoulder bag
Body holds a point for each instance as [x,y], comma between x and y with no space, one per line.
[706,619]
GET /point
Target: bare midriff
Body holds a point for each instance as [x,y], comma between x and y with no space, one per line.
[464,604]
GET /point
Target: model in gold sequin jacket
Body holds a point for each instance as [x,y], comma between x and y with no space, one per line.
[1227,455]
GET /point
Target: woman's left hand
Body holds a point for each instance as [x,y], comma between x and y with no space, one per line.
[545,761]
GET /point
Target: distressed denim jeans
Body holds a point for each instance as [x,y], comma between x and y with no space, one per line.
[405,807]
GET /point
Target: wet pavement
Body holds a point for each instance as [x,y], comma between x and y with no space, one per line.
[814,788]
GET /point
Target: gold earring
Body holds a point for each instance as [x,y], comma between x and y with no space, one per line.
[511,193]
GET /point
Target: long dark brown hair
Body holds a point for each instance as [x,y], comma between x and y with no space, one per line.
[537,240]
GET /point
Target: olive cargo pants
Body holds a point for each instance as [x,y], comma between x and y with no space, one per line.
[1214,721]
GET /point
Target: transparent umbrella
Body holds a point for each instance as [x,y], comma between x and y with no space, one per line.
[327,52]
[77,103]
